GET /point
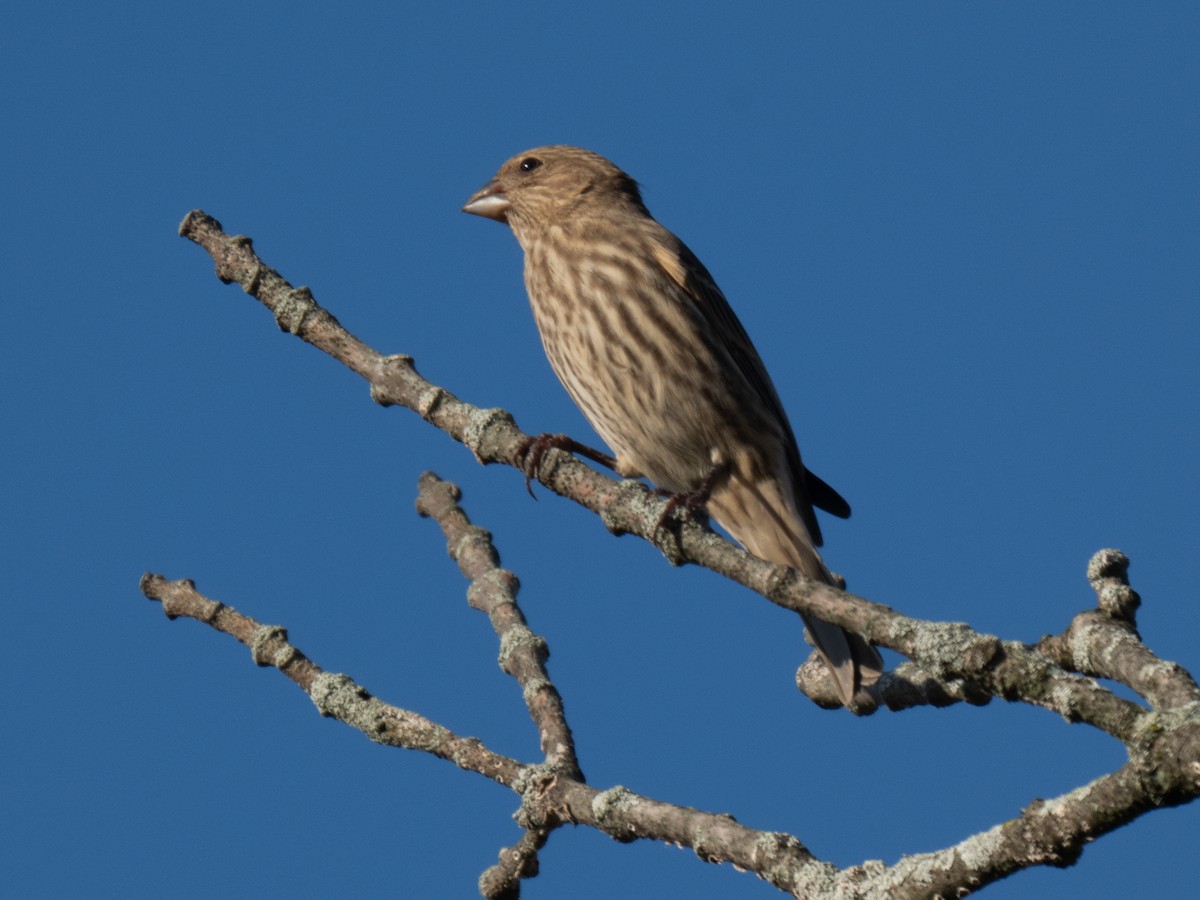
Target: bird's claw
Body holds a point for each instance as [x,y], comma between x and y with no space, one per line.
[532,450]
[686,504]
[681,506]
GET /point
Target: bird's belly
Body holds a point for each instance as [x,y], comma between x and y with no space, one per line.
[671,436]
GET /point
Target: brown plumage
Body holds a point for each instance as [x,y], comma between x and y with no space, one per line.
[647,346]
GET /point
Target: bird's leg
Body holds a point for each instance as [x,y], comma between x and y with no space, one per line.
[529,455]
[689,502]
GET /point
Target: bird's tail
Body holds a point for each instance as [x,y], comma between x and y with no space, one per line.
[764,521]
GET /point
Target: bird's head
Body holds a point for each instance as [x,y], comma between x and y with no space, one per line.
[548,185]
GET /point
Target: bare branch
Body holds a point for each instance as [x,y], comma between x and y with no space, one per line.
[334,695]
[502,881]
[1104,642]
[950,662]
[551,794]
[948,652]
[493,591]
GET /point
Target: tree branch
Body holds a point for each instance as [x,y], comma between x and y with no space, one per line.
[950,662]
[553,792]
[337,696]
[493,591]
[947,652]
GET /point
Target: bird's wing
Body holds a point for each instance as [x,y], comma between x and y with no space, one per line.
[689,273]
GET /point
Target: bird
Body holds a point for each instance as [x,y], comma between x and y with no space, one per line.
[652,353]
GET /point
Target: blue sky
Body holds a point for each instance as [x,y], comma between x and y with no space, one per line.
[963,236]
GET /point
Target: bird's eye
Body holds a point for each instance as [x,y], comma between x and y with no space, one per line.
[528,165]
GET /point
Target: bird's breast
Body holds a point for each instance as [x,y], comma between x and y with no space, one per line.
[634,359]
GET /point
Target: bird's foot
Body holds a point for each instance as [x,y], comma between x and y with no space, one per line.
[533,449]
[686,504]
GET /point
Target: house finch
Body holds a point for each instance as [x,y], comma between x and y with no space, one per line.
[649,349]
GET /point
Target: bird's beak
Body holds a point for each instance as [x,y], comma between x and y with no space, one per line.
[489,201]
